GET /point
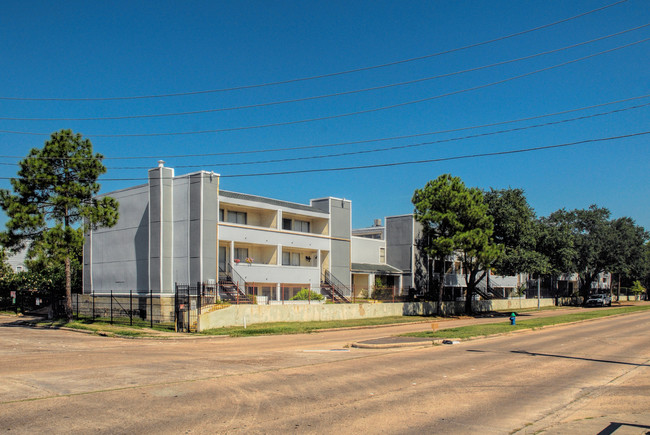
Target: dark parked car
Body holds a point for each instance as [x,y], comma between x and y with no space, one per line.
[599,300]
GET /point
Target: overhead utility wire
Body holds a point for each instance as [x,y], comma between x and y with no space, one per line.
[392,148]
[412,162]
[363,141]
[320,76]
[442,159]
[336,94]
[342,115]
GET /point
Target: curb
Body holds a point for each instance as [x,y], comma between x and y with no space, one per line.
[433,342]
[439,341]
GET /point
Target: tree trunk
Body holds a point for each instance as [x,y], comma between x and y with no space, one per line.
[441,287]
[68,272]
[470,282]
[68,289]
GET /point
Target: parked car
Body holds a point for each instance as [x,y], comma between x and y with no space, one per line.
[601,300]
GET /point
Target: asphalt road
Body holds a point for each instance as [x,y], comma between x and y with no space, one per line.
[592,377]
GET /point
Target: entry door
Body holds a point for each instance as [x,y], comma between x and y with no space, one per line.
[223,258]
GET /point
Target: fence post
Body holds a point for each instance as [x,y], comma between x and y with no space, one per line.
[199,295]
[77,306]
[111,307]
[131,307]
[151,307]
[176,307]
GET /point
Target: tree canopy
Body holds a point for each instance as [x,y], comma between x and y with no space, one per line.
[455,221]
[54,201]
[516,228]
[601,244]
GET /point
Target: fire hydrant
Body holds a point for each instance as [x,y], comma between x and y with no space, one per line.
[513,319]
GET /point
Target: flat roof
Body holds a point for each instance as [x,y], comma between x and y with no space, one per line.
[374,267]
[271,201]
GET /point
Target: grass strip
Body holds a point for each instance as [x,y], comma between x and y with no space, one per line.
[100,326]
[308,327]
[502,327]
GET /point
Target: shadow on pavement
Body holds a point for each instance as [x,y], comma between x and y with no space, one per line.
[614,426]
[523,352]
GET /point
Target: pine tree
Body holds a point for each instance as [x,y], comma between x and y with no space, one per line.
[54,201]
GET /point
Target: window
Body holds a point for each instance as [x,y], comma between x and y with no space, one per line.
[302,226]
[382,255]
[290,259]
[241,253]
[221,214]
[237,217]
[295,225]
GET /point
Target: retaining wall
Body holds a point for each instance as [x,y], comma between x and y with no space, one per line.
[237,315]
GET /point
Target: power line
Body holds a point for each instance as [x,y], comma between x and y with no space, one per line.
[331,95]
[442,159]
[320,76]
[383,139]
[412,162]
[342,115]
[392,148]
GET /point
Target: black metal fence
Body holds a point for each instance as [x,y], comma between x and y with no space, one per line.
[132,308]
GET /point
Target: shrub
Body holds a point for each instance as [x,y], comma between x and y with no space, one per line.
[306,294]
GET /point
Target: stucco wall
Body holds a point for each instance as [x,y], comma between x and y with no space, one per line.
[366,250]
[118,256]
[235,315]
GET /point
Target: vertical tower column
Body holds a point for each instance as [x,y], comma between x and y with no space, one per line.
[161,229]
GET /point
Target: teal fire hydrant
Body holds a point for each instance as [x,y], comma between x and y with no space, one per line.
[513,319]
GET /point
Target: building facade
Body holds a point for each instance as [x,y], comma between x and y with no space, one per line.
[184,229]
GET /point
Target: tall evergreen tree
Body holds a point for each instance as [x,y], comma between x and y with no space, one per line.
[54,201]
[455,220]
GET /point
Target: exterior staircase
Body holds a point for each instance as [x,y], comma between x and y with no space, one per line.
[338,292]
[232,288]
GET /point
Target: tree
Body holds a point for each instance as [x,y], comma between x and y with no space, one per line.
[515,227]
[455,220]
[5,267]
[627,250]
[54,201]
[554,240]
[602,245]
[637,288]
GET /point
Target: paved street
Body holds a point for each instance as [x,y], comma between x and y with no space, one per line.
[582,378]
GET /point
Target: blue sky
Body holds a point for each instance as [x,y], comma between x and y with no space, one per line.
[87,50]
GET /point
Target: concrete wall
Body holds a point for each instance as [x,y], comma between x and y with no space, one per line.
[400,246]
[118,257]
[161,230]
[366,250]
[235,314]
[340,230]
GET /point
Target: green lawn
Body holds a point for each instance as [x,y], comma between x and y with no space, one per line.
[307,327]
[140,327]
[502,327]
